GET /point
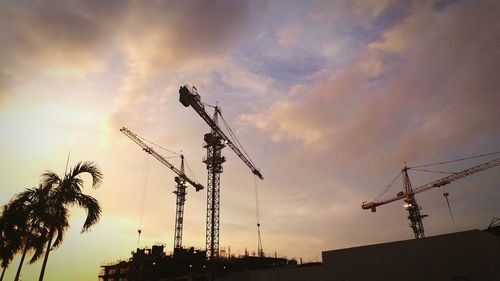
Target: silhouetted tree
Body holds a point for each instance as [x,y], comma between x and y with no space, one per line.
[10,240]
[24,225]
[32,213]
[13,233]
[66,192]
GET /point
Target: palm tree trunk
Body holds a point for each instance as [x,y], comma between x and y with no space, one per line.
[18,273]
[49,244]
[3,273]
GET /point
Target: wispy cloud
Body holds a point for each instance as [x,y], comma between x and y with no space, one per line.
[424,84]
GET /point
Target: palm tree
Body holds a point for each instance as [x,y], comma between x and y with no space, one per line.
[10,241]
[5,257]
[66,192]
[13,225]
[26,224]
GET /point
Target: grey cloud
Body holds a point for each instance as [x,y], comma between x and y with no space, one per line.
[179,31]
[174,41]
[48,26]
[37,35]
[431,87]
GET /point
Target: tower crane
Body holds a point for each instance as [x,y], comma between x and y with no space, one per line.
[409,192]
[181,180]
[215,141]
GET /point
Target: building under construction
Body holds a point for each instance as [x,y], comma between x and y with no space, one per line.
[460,256]
[153,264]
[190,264]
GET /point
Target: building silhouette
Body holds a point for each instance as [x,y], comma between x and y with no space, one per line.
[462,256]
[152,264]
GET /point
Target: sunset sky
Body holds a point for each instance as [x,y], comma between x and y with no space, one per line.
[329,98]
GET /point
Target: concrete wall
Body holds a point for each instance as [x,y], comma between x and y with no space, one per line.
[460,256]
[464,256]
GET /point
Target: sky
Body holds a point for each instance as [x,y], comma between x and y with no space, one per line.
[329,99]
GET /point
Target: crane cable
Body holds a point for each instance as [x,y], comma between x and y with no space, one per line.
[446,194]
[415,168]
[388,187]
[256,200]
[190,171]
[235,141]
[161,147]
[455,160]
[146,169]
[234,138]
[432,171]
[260,250]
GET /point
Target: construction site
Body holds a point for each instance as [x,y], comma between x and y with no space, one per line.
[249,140]
[464,256]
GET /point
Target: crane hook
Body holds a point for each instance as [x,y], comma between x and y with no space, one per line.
[446,194]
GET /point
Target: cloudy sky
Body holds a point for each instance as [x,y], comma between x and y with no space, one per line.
[329,98]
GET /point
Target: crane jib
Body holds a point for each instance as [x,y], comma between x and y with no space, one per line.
[135,138]
[188,96]
[436,183]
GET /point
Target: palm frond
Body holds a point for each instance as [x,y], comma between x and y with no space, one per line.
[88,167]
[17,213]
[60,226]
[50,178]
[76,184]
[93,209]
[12,231]
[9,243]
[38,243]
[37,254]
[24,196]
[61,230]
[40,214]
[8,252]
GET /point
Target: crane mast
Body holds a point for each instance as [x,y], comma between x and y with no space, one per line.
[180,193]
[215,141]
[408,194]
[412,207]
[181,184]
[214,159]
